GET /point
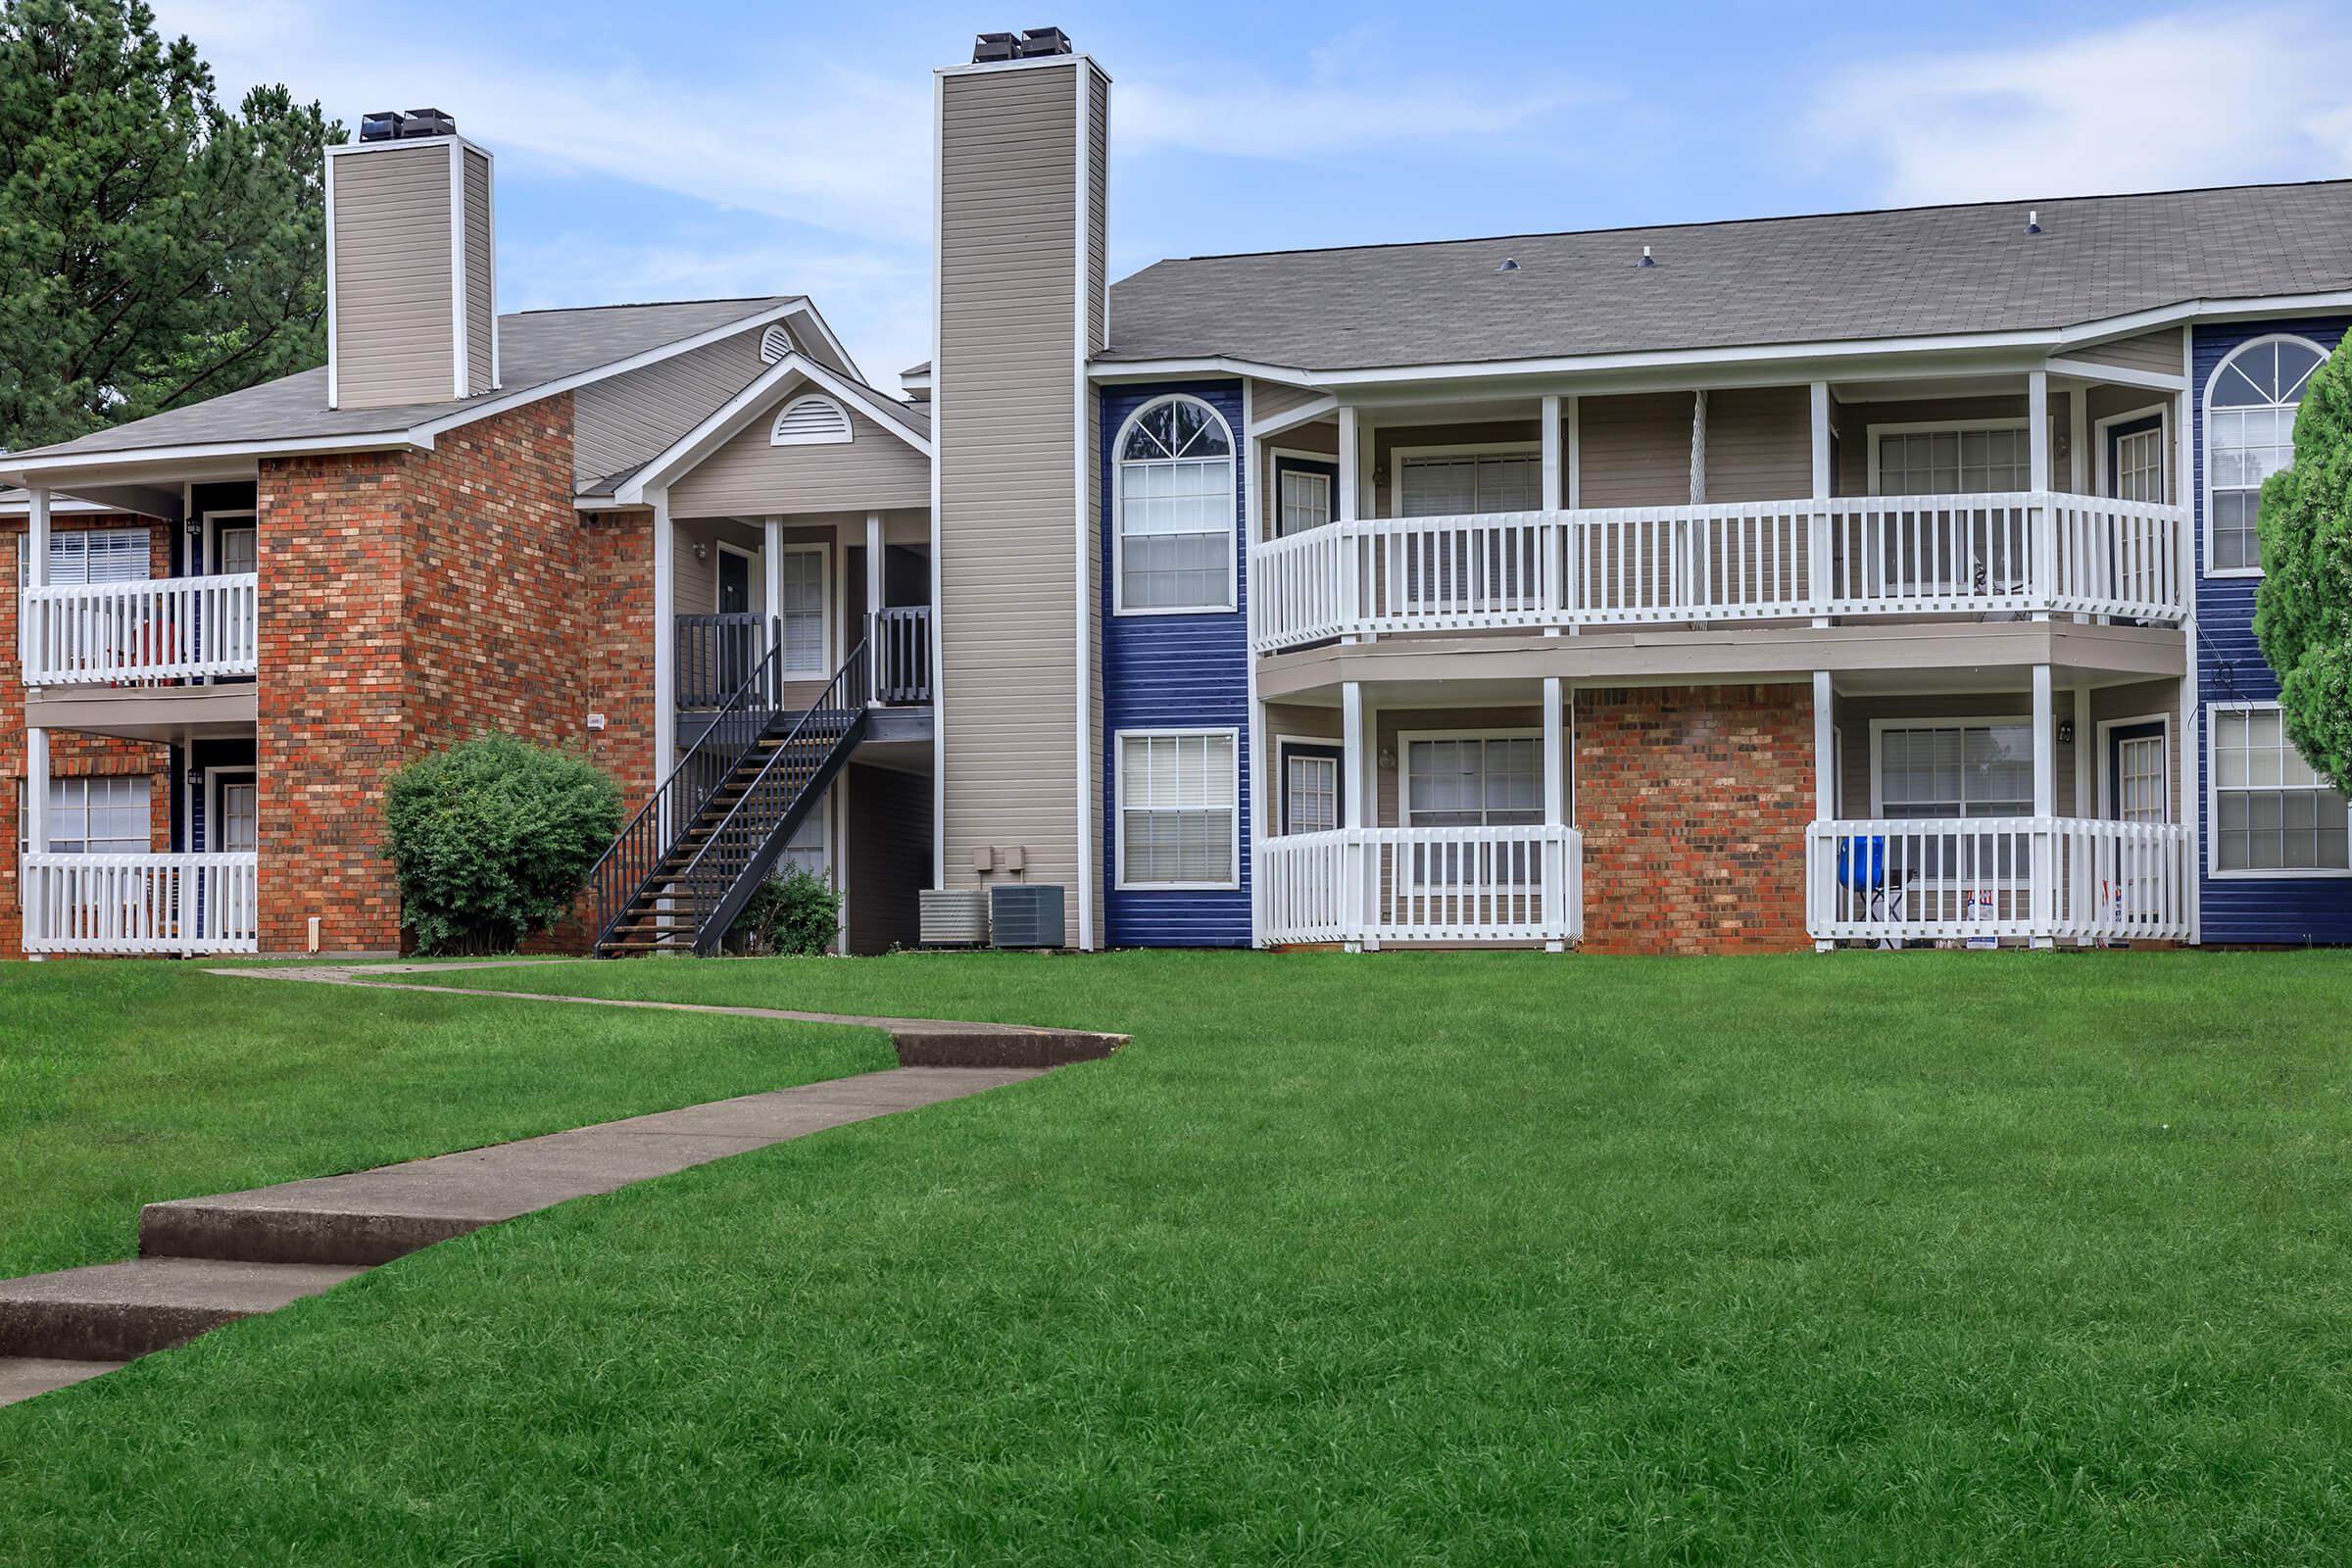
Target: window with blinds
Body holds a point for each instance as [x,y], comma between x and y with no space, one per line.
[2271,810]
[1305,502]
[99,815]
[98,555]
[1176,510]
[1947,463]
[1473,782]
[1178,815]
[801,609]
[1456,485]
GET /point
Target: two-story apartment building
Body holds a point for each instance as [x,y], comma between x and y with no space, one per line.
[1864,577]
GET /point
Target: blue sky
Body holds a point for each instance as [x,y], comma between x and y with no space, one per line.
[652,152]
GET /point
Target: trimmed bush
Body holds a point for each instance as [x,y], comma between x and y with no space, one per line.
[792,915]
[491,840]
[2303,604]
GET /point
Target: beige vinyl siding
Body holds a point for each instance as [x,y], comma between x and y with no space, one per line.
[1759,444]
[623,421]
[1634,450]
[1010,565]
[482,294]
[395,320]
[1270,397]
[2158,350]
[751,475]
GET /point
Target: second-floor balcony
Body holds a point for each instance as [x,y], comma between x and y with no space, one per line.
[142,632]
[717,654]
[1858,557]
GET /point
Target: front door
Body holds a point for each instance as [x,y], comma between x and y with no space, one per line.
[234,550]
[2139,773]
[2136,460]
[232,822]
[734,583]
[1314,791]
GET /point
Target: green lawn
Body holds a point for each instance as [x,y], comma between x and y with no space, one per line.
[1414,1258]
[126,1083]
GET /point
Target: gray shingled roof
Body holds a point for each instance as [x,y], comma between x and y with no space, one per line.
[1916,271]
[535,346]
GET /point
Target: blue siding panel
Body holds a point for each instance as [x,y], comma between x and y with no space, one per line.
[2230,668]
[1176,672]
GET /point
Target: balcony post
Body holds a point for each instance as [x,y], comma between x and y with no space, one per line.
[1352,877]
[36,570]
[1554,559]
[32,886]
[1825,785]
[2081,871]
[1818,546]
[1348,500]
[876,663]
[2044,906]
[2037,446]
[665,645]
[1572,584]
[1555,815]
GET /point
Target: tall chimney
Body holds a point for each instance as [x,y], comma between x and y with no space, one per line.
[411,282]
[1023,137]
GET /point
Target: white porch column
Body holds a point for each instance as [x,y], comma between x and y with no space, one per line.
[2044,901]
[1818,543]
[1352,808]
[1825,785]
[2190,729]
[666,643]
[1572,585]
[31,886]
[1349,500]
[1699,447]
[37,567]
[879,664]
[2086,767]
[2037,446]
[1555,809]
[771,573]
[2078,438]
[1556,557]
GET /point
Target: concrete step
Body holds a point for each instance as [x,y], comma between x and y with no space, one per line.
[23,1376]
[117,1311]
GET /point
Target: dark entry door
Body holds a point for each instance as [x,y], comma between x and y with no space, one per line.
[1315,788]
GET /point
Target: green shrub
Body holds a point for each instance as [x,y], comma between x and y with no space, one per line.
[792,915]
[2303,605]
[492,838]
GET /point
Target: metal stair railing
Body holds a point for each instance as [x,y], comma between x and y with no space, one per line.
[736,854]
[727,738]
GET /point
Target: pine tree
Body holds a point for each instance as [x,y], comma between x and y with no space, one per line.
[154,249]
[2303,607]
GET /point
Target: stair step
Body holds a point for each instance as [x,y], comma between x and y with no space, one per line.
[118,1311]
[23,1376]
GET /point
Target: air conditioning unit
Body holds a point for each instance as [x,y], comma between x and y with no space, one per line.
[1023,914]
[954,917]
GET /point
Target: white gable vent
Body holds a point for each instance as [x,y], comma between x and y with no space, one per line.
[814,420]
[773,345]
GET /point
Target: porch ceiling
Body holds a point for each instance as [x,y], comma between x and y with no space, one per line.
[171,715]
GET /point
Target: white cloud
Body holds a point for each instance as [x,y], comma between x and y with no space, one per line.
[1269,119]
[2194,99]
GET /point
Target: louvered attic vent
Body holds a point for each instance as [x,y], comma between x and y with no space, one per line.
[814,420]
[773,345]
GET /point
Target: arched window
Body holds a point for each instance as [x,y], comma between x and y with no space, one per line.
[773,345]
[811,421]
[2249,435]
[1174,500]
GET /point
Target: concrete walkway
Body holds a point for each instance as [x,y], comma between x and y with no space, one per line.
[207,1261]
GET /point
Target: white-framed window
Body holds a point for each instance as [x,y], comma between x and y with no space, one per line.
[1305,502]
[1951,767]
[2250,403]
[232,810]
[810,846]
[1972,457]
[1173,500]
[97,554]
[1458,481]
[804,573]
[106,815]
[1178,808]
[812,419]
[2272,814]
[1311,797]
[1486,779]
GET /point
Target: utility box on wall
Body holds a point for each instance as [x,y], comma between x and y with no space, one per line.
[1024,914]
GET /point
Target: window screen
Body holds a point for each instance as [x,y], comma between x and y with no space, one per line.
[1471,783]
[2271,810]
[1177,798]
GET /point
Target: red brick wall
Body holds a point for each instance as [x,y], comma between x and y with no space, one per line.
[1692,801]
[70,756]
[413,600]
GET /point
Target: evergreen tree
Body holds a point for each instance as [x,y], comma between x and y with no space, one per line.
[2303,607]
[154,249]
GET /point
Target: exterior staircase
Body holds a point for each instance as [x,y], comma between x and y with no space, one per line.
[687,863]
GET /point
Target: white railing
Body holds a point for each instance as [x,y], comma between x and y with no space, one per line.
[165,628]
[1423,884]
[1998,878]
[132,904]
[1853,557]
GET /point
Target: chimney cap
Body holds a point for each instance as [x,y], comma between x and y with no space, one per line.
[989,47]
[1039,42]
[417,124]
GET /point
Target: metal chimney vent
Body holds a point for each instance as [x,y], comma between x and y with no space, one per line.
[991,47]
[1039,42]
[2034,223]
[1509,265]
[1646,258]
[388,124]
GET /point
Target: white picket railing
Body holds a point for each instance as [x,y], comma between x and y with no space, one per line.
[1852,557]
[164,628]
[1423,884]
[1998,878]
[134,904]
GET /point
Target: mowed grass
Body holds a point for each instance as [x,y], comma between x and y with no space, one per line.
[1415,1259]
[123,1083]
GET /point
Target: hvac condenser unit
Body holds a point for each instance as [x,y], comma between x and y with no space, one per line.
[954,917]
[1023,914]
